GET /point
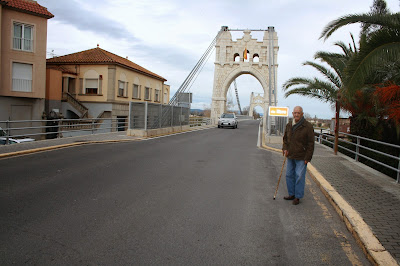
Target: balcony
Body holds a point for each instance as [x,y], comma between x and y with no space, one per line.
[23,44]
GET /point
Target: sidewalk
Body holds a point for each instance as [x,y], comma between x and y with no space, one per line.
[368,201]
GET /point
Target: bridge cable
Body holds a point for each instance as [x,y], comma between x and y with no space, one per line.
[237,96]
[194,73]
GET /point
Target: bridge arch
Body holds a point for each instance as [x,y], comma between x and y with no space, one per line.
[227,69]
[235,73]
[256,99]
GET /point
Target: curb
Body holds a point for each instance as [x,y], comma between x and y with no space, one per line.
[362,233]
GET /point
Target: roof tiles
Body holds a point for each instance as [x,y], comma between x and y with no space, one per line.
[28,6]
[100,56]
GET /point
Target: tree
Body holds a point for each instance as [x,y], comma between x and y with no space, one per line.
[206,111]
[379,43]
[373,71]
[245,110]
[329,89]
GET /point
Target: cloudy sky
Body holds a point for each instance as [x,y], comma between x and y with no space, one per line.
[168,37]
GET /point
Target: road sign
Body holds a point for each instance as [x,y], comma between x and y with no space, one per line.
[278,111]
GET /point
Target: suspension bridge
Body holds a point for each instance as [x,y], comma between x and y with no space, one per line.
[234,58]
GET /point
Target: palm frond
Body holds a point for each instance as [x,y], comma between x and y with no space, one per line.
[383,20]
[347,50]
[337,62]
[315,88]
[326,72]
[313,93]
[384,45]
[296,81]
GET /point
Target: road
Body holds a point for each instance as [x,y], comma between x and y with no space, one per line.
[199,198]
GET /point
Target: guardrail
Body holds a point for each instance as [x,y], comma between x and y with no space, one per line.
[59,128]
[197,121]
[351,144]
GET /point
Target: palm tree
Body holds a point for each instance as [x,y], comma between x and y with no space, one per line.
[374,70]
[330,88]
[379,44]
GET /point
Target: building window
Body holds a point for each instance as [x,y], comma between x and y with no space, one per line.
[121,88]
[136,91]
[157,95]
[23,37]
[236,57]
[165,97]
[256,58]
[22,77]
[147,93]
[91,86]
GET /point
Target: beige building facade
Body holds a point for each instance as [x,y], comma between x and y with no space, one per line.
[96,83]
[23,37]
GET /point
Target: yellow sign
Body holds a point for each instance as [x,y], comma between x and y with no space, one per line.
[278,111]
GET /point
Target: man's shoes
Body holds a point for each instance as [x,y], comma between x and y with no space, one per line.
[296,201]
[289,198]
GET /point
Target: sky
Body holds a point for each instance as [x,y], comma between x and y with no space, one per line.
[168,37]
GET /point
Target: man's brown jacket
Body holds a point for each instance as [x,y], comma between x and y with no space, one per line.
[300,142]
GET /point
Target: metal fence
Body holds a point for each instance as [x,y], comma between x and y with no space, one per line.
[58,128]
[197,121]
[357,147]
[277,125]
[145,115]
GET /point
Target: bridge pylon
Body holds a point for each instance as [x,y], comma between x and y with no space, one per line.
[257,99]
[244,56]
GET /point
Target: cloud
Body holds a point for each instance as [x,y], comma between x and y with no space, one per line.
[168,37]
[86,19]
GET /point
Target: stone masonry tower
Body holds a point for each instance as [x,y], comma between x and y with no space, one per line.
[230,63]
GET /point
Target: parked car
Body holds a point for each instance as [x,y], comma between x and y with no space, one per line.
[227,120]
[3,140]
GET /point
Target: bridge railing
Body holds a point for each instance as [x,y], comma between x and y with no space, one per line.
[197,121]
[58,128]
[145,115]
[382,156]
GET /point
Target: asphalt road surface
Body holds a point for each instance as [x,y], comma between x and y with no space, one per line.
[199,198]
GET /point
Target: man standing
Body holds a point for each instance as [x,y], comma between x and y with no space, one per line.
[298,147]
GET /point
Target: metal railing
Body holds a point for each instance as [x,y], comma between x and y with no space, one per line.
[23,44]
[145,115]
[58,128]
[197,121]
[358,150]
[77,104]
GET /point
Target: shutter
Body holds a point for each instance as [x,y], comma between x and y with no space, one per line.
[22,77]
[92,83]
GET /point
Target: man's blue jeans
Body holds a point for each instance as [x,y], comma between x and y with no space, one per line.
[296,177]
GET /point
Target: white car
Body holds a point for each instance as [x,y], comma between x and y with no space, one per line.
[3,140]
[227,120]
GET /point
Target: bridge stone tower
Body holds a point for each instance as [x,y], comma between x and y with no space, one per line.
[256,100]
[230,62]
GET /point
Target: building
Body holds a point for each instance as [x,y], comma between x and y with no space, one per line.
[344,125]
[96,84]
[23,38]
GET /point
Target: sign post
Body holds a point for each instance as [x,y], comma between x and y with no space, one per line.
[274,111]
[278,111]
